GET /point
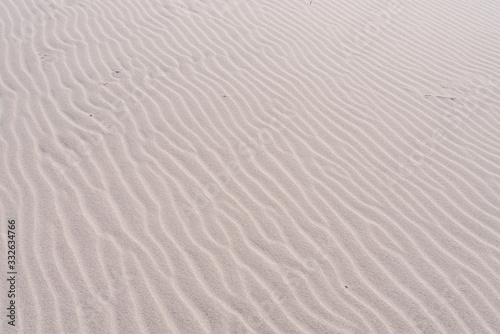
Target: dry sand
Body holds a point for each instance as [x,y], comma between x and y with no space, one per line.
[187,166]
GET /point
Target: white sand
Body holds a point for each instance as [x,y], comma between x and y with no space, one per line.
[187,166]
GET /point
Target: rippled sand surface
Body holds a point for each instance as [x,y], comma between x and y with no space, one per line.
[229,166]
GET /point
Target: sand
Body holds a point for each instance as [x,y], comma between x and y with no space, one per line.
[186,166]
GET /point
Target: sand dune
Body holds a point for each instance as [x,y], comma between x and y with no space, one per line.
[185,166]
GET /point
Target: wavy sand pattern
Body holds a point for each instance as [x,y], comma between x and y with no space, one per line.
[228,166]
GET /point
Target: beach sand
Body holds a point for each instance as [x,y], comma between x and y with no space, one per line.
[187,166]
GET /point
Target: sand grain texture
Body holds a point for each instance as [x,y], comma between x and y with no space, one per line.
[186,166]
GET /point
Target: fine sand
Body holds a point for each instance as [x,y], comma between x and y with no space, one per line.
[230,166]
